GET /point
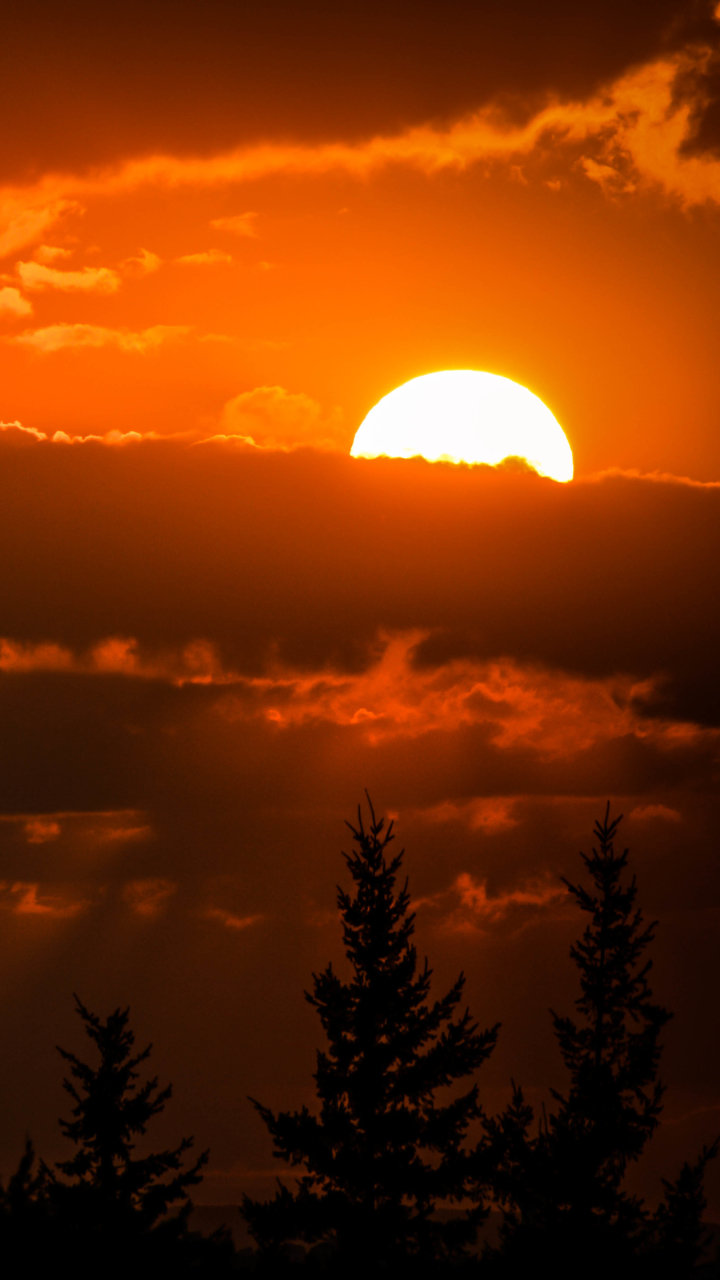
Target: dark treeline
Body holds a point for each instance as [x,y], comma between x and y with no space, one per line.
[396,1172]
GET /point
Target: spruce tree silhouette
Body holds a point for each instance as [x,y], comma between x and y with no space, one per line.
[381,1153]
[24,1218]
[612,1052]
[112,1204]
[562,1191]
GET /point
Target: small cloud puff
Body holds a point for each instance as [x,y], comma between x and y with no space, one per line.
[211,257]
[142,264]
[12,303]
[240,224]
[34,275]
[276,418]
[229,920]
[646,812]
[50,253]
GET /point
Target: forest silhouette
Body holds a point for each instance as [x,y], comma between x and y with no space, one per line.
[399,1166]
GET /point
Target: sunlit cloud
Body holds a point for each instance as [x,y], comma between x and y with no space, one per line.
[210,258]
[635,132]
[57,337]
[28,899]
[478,909]
[35,275]
[142,264]
[489,814]
[51,253]
[548,713]
[240,224]
[27,213]
[13,304]
[467,907]
[272,416]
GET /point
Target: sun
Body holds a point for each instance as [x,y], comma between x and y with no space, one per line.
[461,415]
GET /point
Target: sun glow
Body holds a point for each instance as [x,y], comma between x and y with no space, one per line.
[461,415]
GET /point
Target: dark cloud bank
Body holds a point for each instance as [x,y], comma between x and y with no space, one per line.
[303,558]
[210,75]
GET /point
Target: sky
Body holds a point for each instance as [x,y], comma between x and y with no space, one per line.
[226,232]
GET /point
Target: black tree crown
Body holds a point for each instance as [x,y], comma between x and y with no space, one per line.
[562,1191]
[382,1152]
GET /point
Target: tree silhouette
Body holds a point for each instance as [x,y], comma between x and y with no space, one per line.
[563,1190]
[24,1218]
[112,1203]
[381,1152]
[612,1052]
[677,1239]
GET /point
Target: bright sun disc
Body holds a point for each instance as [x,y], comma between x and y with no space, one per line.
[461,415]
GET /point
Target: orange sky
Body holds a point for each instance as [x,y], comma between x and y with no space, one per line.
[241,225]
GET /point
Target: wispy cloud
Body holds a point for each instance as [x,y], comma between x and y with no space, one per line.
[41,830]
[51,253]
[28,899]
[27,213]
[468,907]
[35,275]
[229,919]
[635,132]
[143,263]
[57,337]
[657,812]
[210,258]
[239,224]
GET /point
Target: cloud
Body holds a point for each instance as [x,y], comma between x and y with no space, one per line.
[239,224]
[142,264]
[27,213]
[637,130]
[489,814]
[390,594]
[467,907]
[34,275]
[648,812]
[12,303]
[278,418]
[50,253]
[211,258]
[27,899]
[57,337]
[229,920]
[148,898]
[40,830]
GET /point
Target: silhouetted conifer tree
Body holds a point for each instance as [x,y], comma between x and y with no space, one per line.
[112,1206]
[562,1190]
[24,1218]
[381,1152]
